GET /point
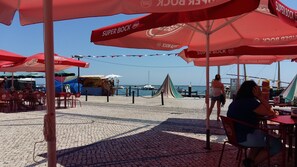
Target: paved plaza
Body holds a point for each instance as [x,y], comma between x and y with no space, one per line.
[118,133]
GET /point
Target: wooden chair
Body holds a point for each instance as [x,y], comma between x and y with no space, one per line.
[229,127]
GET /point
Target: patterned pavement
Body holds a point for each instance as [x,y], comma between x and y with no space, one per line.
[118,134]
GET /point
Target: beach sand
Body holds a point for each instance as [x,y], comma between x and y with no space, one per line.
[118,133]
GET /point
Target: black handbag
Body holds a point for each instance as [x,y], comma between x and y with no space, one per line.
[222,99]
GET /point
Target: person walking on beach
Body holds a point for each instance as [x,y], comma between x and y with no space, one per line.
[217,88]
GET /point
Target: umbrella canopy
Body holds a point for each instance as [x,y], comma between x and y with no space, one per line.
[258,28]
[36,63]
[291,91]
[9,56]
[156,20]
[32,11]
[284,12]
[241,55]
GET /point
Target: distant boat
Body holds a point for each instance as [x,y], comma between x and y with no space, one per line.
[121,87]
[148,87]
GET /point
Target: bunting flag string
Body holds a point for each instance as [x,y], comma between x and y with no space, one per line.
[130,55]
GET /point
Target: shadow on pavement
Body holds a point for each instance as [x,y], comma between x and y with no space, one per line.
[166,145]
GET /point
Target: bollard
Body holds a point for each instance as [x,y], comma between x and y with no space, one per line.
[130,90]
[162,98]
[190,90]
[133,96]
[107,96]
[153,92]
[137,92]
[86,95]
[126,92]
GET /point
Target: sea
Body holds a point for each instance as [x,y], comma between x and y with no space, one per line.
[138,91]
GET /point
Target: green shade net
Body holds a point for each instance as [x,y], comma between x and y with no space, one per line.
[168,89]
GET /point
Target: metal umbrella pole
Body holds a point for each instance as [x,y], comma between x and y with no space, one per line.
[78,71]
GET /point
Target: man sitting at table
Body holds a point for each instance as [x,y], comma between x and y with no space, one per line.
[248,105]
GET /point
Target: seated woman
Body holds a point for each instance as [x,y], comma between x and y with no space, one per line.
[248,105]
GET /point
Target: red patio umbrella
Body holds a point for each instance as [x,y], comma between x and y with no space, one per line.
[284,12]
[241,55]
[32,11]
[11,57]
[259,28]
[245,50]
[156,20]
[36,63]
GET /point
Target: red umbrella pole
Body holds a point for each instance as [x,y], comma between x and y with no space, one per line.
[50,117]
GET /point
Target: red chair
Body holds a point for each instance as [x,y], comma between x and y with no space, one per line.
[5,102]
[19,103]
[61,98]
[64,97]
[77,96]
[69,99]
[229,126]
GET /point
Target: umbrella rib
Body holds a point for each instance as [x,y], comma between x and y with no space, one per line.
[202,30]
[228,22]
[235,30]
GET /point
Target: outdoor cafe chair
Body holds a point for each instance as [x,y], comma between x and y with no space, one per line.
[64,97]
[19,103]
[229,127]
[39,97]
[5,102]
[76,99]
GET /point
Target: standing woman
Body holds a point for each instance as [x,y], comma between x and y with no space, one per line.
[217,88]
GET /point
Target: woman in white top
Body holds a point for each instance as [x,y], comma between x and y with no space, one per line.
[217,90]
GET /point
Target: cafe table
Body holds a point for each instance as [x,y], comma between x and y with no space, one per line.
[286,121]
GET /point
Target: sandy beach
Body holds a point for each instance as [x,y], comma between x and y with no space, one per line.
[117,133]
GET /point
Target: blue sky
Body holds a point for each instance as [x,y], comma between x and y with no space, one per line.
[73,37]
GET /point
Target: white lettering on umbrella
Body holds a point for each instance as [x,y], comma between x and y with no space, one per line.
[214,52]
[120,29]
[146,3]
[167,45]
[285,11]
[165,3]
[277,39]
[164,31]
[109,32]
[31,62]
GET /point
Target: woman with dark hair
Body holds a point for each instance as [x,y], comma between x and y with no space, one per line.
[248,105]
[217,89]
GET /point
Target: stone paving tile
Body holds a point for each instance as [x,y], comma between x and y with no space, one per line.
[117,134]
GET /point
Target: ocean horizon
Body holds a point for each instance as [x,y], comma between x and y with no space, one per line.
[141,92]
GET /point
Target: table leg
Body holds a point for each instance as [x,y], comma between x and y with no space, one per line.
[283,134]
[65,106]
[295,154]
